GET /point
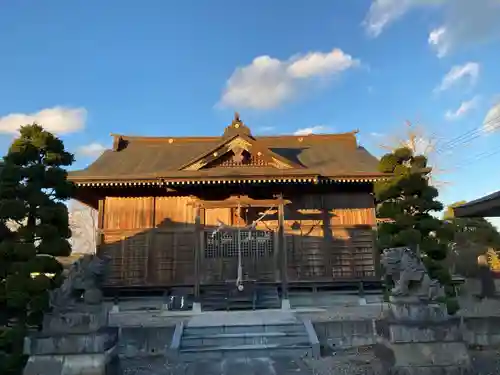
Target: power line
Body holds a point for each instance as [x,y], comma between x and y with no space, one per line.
[439,146]
[466,137]
[477,158]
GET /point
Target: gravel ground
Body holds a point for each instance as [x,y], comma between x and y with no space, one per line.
[152,366]
[373,311]
[232,366]
[361,361]
[486,362]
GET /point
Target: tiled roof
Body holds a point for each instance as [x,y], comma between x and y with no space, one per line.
[138,158]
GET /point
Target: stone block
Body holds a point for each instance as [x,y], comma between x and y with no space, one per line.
[285,304]
[345,333]
[94,342]
[398,358]
[404,333]
[74,322]
[482,325]
[87,364]
[143,341]
[44,365]
[402,310]
[431,370]
[196,307]
[482,331]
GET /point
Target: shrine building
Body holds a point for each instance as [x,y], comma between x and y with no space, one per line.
[234,211]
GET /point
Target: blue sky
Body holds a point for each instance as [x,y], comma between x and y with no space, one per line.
[85,69]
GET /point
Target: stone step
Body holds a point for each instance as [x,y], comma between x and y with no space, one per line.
[244,351]
[255,338]
[254,328]
[250,366]
[239,307]
[225,305]
[241,301]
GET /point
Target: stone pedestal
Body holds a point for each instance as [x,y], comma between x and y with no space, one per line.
[197,307]
[73,343]
[419,338]
[285,304]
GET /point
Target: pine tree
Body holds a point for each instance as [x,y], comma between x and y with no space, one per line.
[407,200]
[34,228]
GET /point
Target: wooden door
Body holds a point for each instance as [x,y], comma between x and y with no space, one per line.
[220,250]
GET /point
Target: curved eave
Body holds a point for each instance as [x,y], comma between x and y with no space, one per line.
[227,181]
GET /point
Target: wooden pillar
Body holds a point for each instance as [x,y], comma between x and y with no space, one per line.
[282,250]
[197,253]
[100,226]
[151,267]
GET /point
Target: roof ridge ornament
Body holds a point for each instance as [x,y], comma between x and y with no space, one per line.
[119,143]
[237,127]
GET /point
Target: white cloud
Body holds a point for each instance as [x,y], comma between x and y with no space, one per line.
[92,150]
[459,73]
[312,130]
[58,120]
[382,13]
[491,122]
[466,22]
[320,64]
[268,82]
[437,38]
[462,110]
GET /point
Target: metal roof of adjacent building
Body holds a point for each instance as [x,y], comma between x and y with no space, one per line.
[487,206]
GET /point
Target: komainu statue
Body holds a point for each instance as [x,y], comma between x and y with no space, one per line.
[83,281]
[409,274]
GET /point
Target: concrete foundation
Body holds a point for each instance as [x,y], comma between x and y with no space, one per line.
[73,343]
[285,304]
[418,338]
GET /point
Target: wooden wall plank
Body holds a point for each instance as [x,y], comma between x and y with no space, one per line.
[332,209]
[152,241]
[213,215]
[330,237]
[174,211]
[128,212]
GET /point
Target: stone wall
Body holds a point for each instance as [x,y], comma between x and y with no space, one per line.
[342,334]
[481,331]
[149,334]
[144,341]
[345,333]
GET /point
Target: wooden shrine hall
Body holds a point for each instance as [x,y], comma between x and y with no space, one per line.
[234,210]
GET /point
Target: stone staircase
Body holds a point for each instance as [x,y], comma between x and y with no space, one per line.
[244,334]
[227,297]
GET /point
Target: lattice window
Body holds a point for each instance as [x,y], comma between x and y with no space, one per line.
[135,257]
[243,159]
[342,266]
[225,244]
[363,254]
[363,262]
